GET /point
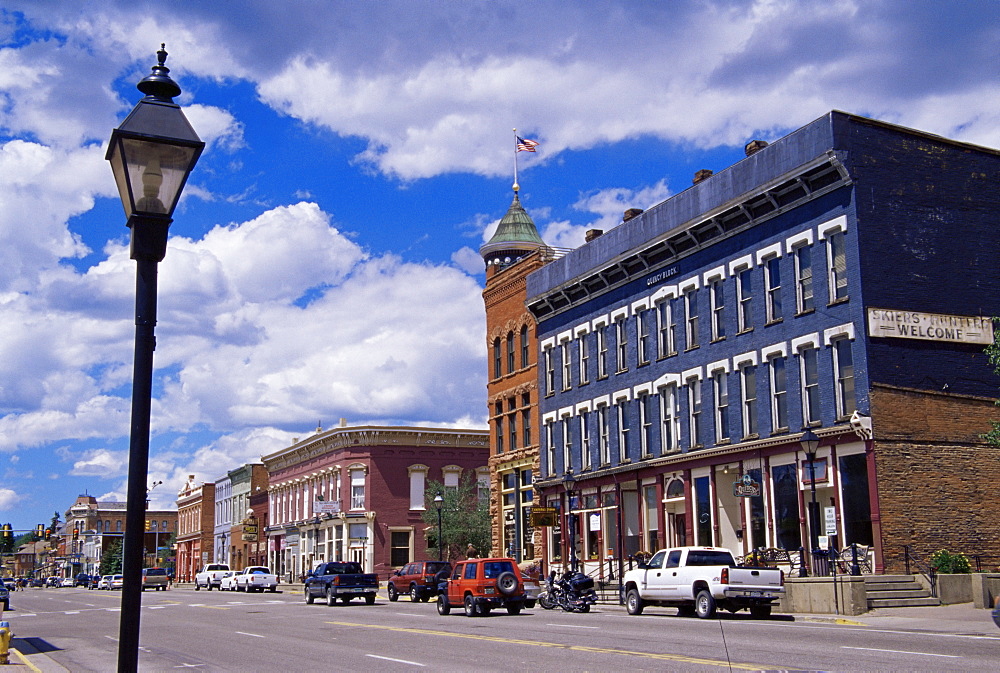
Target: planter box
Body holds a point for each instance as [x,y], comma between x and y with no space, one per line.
[985,589]
[953,589]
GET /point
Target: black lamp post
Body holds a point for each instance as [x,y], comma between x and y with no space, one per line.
[438,503]
[151,154]
[810,442]
[569,482]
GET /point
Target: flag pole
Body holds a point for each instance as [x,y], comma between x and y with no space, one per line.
[516,186]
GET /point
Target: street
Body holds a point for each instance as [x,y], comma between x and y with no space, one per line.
[226,631]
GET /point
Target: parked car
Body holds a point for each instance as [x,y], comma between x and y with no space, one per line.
[154,578]
[53,581]
[4,596]
[228,581]
[117,582]
[479,585]
[37,582]
[340,579]
[82,580]
[105,582]
[419,579]
[67,582]
[95,582]
[10,583]
[256,578]
[211,576]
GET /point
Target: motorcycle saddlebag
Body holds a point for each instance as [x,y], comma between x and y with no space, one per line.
[581,582]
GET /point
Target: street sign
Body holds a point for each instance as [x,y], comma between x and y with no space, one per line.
[830,519]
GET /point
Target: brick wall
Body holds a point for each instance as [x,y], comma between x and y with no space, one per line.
[937,479]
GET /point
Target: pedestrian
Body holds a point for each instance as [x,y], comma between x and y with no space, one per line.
[470,552]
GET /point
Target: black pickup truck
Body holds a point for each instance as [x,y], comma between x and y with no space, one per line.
[340,579]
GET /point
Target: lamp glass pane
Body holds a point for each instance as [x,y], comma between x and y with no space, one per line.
[156,174]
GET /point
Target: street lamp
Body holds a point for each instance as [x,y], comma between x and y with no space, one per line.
[569,482]
[810,442]
[438,503]
[151,154]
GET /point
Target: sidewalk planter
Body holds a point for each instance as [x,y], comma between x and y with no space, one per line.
[844,595]
[953,589]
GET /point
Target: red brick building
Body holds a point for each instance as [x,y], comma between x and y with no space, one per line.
[195,525]
[357,494]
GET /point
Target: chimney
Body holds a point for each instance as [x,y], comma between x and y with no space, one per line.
[630,213]
[754,146]
[592,234]
[343,422]
[703,174]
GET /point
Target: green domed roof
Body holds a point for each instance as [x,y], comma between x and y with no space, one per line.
[516,232]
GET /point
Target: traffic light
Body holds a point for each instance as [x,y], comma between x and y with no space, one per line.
[48,533]
[76,534]
[39,530]
[147,524]
[7,531]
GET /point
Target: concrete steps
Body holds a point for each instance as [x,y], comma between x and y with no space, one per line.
[896,591]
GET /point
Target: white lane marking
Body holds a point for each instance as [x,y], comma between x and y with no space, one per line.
[71,612]
[113,609]
[926,654]
[409,614]
[574,626]
[157,607]
[906,633]
[398,661]
[111,638]
[30,614]
[255,635]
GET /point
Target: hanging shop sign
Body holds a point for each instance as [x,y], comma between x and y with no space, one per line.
[745,487]
[929,326]
[544,516]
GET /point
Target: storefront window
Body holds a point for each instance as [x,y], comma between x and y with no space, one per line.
[703,505]
[758,525]
[786,507]
[857,517]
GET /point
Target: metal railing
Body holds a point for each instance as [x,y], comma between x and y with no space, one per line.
[925,569]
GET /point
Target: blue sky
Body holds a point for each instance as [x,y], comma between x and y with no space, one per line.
[323,263]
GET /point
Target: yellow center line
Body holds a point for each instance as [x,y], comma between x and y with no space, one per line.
[540,643]
[213,607]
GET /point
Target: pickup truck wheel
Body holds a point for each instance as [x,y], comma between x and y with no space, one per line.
[414,594]
[704,605]
[471,609]
[760,611]
[369,599]
[309,597]
[210,586]
[443,608]
[633,602]
[393,594]
[197,587]
[331,598]
[507,583]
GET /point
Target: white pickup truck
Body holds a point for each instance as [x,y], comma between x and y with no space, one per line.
[256,578]
[211,576]
[698,580]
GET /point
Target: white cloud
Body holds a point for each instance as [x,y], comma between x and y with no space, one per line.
[101,463]
[468,260]
[8,498]
[215,126]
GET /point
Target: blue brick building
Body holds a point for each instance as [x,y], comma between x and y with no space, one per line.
[839,280]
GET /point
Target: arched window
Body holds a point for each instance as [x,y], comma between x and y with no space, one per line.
[497,371]
[510,352]
[525,354]
[675,489]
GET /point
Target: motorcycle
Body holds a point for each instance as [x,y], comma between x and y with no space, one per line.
[573,592]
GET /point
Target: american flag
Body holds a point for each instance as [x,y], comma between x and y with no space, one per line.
[525,145]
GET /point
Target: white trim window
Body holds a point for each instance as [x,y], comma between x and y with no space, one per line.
[550,447]
[744,299]
[843,367]
[718,299]
[809,375]
[772,288]
[803,279]
[567,366]
[585,440]
[694,412]
[748,391]
[779,393]
[550,372]
[646,425]
[691,318]
[642,342]
[602,351]
[604,441]
[666,328]
[584,359]
[567,445]
[623,429]
[418,481]
[836,255]
[670,420]
[621,339]
[357,489]
[720,389]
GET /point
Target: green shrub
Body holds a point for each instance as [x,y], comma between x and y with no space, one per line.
[946,563]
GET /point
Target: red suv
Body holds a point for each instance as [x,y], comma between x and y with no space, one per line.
[420,579]
[479,585]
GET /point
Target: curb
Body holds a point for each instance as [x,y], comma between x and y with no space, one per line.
[29,658]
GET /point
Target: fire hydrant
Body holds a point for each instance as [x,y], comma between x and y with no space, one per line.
[5,642]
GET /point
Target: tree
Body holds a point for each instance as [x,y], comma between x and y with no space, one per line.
[465,519]
[111,559]
[993,353]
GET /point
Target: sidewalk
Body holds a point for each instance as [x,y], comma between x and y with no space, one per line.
[24,657]
[961,618]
